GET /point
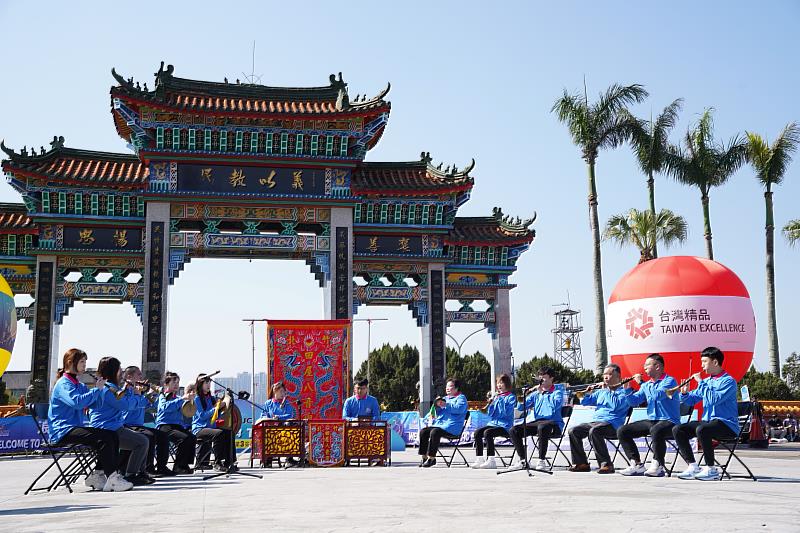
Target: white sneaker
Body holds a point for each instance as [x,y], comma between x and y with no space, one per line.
[518,465]
[96,480]
[633,470]
[479,460]
[543,464]
[708,473]
[690,472]
[117,483]
[489,464]
[655,470]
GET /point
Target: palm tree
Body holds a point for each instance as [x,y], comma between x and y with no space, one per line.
[770,164]
[792,231]
[651,147]
[601,125]
[705,164]
[637,228]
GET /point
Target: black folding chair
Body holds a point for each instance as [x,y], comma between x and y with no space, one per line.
[454,442]
[745,412]
[566,414]
[82,464]
[686,415]
[614,443]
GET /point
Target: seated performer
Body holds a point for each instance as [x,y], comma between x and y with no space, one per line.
[109,416]
[171,423]
[611,409]
[279,407]
[134,419]
[361,404]
[544,419]
[501,413]
[449,421]
[204,429]
[790,423]
[720,415]
[662,414]
[65,421]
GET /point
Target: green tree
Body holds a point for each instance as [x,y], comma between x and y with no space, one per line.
[651,146]
[766,386]
[792,231]
[704,164]
[394,374]
[473,371]
[528,372]
[791,373]
[637,228]
[4,399]
[604,124]
[770,163]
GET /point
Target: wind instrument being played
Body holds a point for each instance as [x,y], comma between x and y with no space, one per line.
[119,393]
[671,392]
[581,393]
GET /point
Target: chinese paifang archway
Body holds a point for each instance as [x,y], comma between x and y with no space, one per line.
[249,171]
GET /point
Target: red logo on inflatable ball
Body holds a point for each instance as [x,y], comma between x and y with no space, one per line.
[639,323]
[676,306]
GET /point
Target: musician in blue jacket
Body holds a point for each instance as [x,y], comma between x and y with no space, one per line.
[361,404]
[720,415]
[610,413]
[448,421]
[544,418]
[279,407]
[501,413]
[110,415]
[206,430]
[662,415]
[171,422]
[134,419]
[66,422]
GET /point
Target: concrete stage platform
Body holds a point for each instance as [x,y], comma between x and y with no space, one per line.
[406,498]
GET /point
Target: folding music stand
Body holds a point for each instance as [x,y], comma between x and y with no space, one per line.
[232,468]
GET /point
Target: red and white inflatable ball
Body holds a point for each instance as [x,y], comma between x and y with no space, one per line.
[676,306]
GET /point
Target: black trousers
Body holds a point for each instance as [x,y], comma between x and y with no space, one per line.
[597,432]
[183,438]
[220,440]
[658,430]
[488,434]
[104,441]
[705,432]
[153,437]
[544,430]
[429,438]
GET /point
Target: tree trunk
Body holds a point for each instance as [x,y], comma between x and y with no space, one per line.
[707,225]
[651,188]
[601,352]
[772,326]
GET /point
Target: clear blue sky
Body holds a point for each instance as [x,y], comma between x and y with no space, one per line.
[468,80]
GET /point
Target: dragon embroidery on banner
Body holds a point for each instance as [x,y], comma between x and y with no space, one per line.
[327,398]
[292,362]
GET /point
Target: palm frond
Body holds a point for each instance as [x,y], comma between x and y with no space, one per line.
[771,162]
[650,139]
[792,231]
[636,227]
[616,98]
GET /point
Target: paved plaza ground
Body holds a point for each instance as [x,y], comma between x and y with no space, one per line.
[406,498]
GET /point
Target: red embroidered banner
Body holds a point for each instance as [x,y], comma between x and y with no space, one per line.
[311,358]
[326,442]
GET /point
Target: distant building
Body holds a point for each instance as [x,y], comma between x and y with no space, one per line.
[242,382]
